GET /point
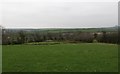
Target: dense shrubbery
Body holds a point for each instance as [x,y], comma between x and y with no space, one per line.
[21,37]
[110,37]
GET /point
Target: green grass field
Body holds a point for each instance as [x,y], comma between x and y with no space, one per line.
[84,57]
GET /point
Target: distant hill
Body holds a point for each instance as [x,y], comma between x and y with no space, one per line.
[56,30]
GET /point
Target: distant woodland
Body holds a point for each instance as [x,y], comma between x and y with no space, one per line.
[90,35]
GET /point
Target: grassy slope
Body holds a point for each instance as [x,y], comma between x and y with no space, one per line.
[0,58]
[60,58]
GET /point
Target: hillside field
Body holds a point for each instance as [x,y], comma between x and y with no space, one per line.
[81,57]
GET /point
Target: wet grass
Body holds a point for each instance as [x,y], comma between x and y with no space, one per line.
[84,57]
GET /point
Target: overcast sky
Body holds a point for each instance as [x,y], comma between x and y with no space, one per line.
[58,13]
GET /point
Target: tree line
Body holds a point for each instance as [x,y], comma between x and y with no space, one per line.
[21,37]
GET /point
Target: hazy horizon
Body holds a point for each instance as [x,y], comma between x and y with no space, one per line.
[56,27]
[59,14]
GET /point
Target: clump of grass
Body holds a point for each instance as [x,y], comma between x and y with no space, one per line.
[43,43]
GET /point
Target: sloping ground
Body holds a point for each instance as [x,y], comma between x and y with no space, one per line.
[0,58]
[82,57]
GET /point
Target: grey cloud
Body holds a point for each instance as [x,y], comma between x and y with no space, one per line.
[60,14]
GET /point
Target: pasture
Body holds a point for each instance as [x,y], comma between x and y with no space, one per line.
[81,57]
